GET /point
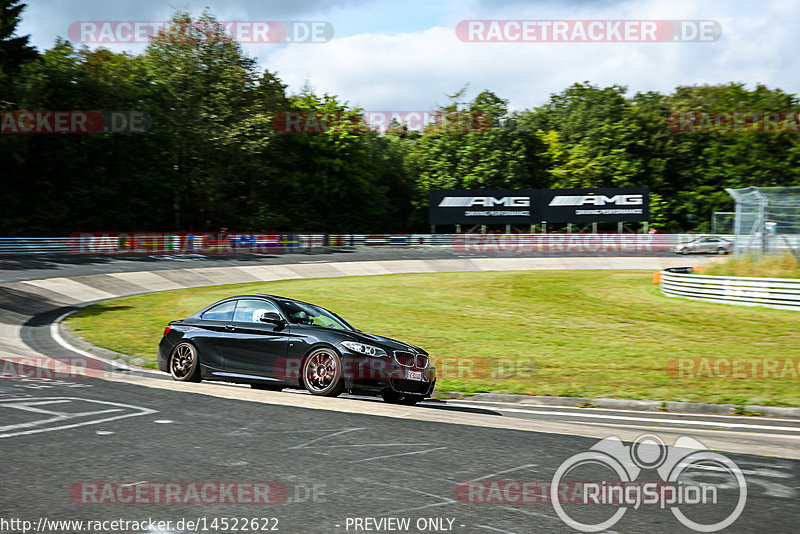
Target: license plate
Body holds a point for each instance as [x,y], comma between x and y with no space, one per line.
[413,375]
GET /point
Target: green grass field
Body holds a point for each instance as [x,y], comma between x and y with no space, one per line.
[783,266]
[572,333]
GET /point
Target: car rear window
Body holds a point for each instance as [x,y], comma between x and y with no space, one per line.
[220,312]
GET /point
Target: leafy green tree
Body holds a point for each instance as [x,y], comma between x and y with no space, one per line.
[203,87]
[14,50]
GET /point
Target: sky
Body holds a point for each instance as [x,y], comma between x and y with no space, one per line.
[406,54]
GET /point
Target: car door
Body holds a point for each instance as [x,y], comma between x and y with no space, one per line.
[711,244]
[211,328]
[253,347]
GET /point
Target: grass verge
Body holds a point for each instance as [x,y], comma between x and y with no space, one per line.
[784,266]
[566,333]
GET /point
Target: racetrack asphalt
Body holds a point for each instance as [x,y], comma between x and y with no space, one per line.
[338,460]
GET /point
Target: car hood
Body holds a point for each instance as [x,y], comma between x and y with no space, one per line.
[385,342]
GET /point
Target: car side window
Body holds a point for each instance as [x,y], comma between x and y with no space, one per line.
[250,310]
[220,312]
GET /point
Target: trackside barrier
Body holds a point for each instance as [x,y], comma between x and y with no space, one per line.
[778,293]
[232,243]
[34,245]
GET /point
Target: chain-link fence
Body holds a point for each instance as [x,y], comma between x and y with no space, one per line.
[767,220]
[722,222]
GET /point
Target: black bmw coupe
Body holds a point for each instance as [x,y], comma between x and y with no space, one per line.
[274,342]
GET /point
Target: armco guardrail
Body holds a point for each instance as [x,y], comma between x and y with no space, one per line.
[232,243]
[34,245]
[779,293]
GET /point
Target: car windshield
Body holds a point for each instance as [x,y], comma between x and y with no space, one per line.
[302,313]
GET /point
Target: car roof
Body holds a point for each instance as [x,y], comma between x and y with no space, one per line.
[268,296]
[253,295]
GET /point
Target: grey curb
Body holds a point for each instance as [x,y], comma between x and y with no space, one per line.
[625,404]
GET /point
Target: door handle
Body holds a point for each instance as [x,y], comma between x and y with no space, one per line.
[230,327]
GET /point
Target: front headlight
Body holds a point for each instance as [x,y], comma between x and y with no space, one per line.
[361,348]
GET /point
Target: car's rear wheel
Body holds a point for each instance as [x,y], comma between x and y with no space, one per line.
[393,397]
[722,250]
[184,365]
[322,373]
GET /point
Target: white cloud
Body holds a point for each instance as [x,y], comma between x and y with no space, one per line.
[415,70]
[404,54]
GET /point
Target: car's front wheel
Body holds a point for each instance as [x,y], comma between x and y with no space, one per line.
[322,373]
[184,365]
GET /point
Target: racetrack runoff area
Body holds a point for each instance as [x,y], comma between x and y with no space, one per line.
[574,333]
[344,458]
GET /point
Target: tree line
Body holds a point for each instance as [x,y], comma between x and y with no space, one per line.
[212,156]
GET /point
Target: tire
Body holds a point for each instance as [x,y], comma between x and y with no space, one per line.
[393,397]
[266,387]
[322,373]
[684,251]
[721,251]
[184,363]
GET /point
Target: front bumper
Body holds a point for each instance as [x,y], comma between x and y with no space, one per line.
[374,374]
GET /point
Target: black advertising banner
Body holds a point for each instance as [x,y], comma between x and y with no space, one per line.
[533,206]
[600,204]
[480,206]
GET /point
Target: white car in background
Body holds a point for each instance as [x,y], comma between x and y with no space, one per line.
[707,244]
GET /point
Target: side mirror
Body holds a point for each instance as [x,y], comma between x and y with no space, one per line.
[272,318]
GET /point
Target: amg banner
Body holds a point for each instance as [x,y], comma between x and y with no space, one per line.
[533,206]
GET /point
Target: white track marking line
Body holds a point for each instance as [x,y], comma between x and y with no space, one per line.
[575,408]
[369,445]
[444,500]
[399,454]
[56,335]
[140,411]
[520,468]
[345,431]
[535,514]
[647,419]
[58,417]
[496,529]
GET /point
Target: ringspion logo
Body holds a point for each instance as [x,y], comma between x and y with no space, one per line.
[682,470]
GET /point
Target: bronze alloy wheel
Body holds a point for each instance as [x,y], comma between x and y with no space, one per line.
[322,373]
[183,364]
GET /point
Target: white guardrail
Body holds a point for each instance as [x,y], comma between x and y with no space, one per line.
[778,293]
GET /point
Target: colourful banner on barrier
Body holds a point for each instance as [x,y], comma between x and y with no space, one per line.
[252,243]
[178,243]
